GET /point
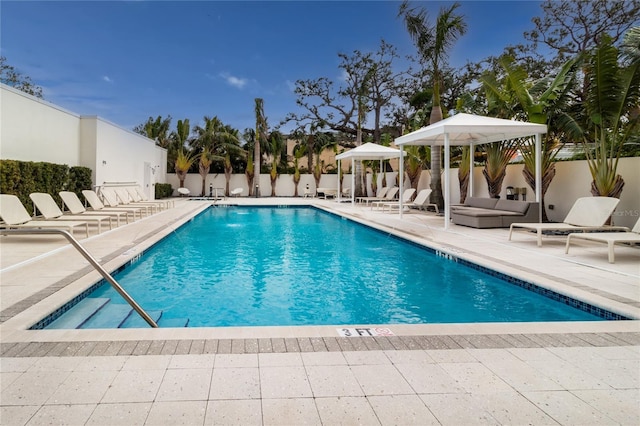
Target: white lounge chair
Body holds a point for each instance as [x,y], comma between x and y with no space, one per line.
[125,199]
[388,197]
[380,194]
[95,203]
[587,214]
[406,198]
[137,197]
[111,200]
[15,216]
[421,202]
[74,205]
[170,202]
[50,211]
[611,238]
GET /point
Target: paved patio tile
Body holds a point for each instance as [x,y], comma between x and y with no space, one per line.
[284,382]
[83,387]
[192,361]
[239,412]
[185,384]
[280,360]
[458,409]
[17,415]
[381,380]
[62,415]
[290,411]
[134,386]
[120,414]
[323,358]
[428,378]
[402,410]
[333,380]
[346,410]
[567,409]
[235,383]
[623,406]
[33,388]
[236,360]
[186,413]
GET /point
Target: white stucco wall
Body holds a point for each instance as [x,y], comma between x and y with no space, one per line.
[35,130]
[572,181]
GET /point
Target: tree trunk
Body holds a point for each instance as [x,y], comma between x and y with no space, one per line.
[463,179]
[615,191]
[181,177]
[436,163]
[227,178]
[547,177]
[494,184]
[250,183]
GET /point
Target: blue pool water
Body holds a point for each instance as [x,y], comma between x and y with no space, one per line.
[242,266]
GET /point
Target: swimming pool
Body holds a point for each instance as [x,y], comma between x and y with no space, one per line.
[257,266]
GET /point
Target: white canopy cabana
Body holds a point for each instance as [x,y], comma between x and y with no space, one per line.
[367,151]
[468,129]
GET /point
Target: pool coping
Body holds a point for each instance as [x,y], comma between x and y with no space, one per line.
[14,329]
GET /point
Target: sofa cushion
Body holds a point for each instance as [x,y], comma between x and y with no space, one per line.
[483,203]
[512,206]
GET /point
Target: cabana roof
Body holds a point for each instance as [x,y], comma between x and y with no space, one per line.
[467,129]
[370,151]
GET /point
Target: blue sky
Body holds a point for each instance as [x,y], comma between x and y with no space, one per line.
[126,61]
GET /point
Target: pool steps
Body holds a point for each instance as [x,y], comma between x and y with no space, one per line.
[91,313]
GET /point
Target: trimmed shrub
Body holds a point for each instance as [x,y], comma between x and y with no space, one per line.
[21,178]
[163,190]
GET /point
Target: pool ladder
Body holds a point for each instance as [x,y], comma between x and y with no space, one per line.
[93,263]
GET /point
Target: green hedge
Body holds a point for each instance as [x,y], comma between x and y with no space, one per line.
[163,190]
[21,178]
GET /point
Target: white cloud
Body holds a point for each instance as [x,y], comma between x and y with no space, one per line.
[234,81]
[107,79]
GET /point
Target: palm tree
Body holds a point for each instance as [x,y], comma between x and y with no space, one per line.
[261,136]
[250,137]
[433,43]
[206,158]
[229,148]
[414,163]
[220,141]
[183,163]
[179,140]
[544,101]
[275,150]
[464,170]
[499,154]
[609,116]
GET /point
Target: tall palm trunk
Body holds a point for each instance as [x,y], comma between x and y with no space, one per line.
[228,169]
[436,162]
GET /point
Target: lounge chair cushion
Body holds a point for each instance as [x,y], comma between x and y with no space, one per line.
[512,206]
[483,203]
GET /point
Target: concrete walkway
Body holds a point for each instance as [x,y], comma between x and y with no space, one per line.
[533,373]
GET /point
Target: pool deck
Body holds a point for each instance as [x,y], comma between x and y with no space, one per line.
[508,373]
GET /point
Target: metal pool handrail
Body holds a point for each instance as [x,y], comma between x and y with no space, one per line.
[93,262]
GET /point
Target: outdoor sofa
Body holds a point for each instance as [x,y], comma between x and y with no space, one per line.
[479,212]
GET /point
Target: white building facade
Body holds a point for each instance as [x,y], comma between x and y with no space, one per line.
[35,130]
